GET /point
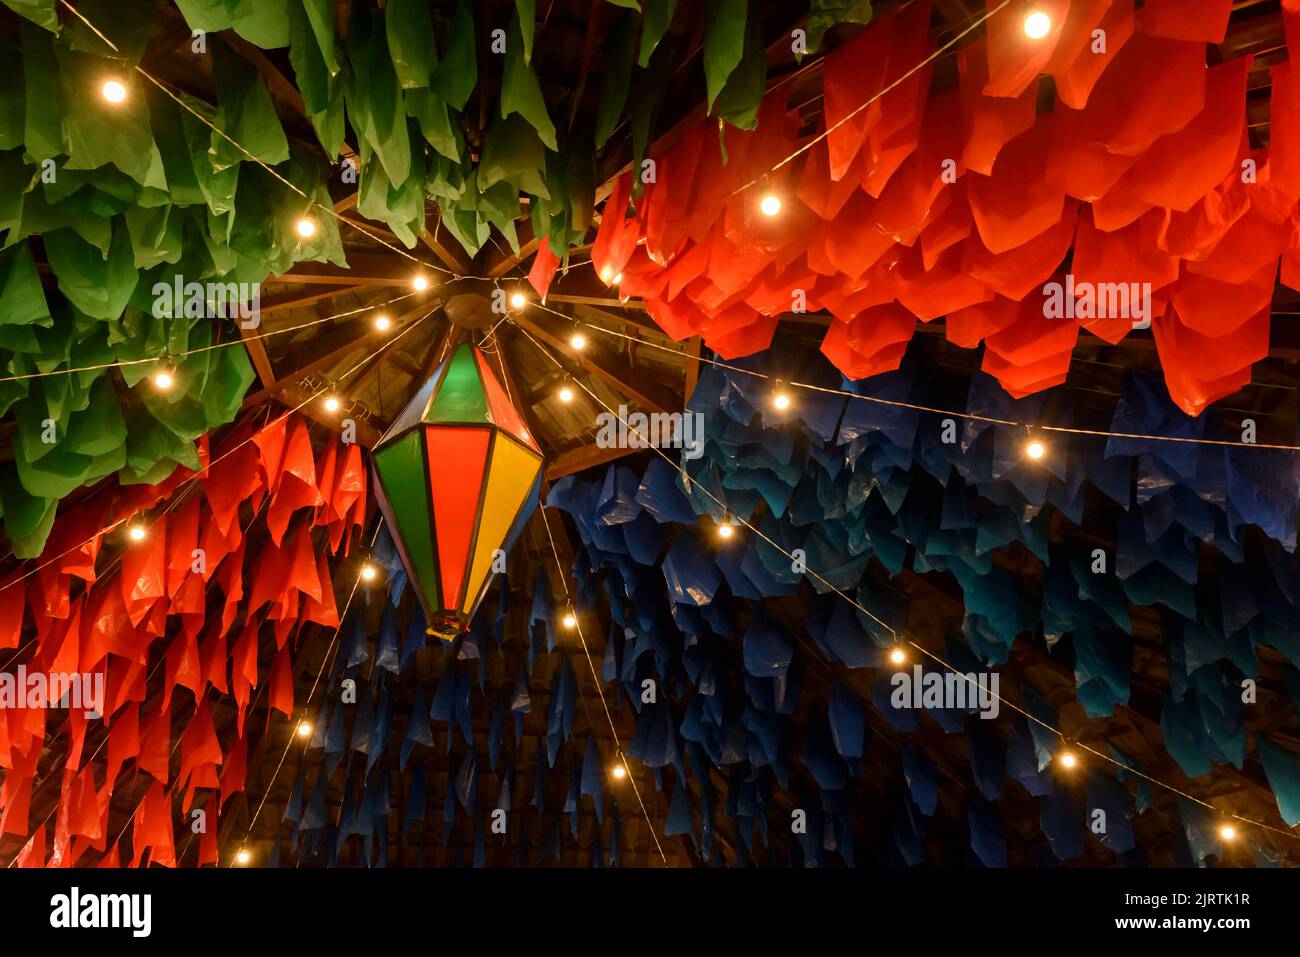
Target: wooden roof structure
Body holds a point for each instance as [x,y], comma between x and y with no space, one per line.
[292,366]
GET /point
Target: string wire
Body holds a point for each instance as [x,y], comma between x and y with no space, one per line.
[975,24]
[788,159]
[934,410]
[312,203]
[206,468]
[600,691]
[178,496]
[154,360]
[326,659]
[915,645]
[563,577]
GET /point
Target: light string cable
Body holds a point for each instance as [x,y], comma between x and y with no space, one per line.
[600,691]
[224,455]
[329,210]
[564,581]
[152,671]
[971,416]
[326,661]
[179,495]
[938,52]
[910,642]
[154,360]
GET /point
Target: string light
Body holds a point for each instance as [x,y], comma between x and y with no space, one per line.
[420,283]
[726,528]
[566,394]
[304,729]
[243,857]
[332,403]
[1227,832]
[770,204]
[570,620]
[935,410]
[578,341]
[305,227]
[619,772]
[114,91]
[1035,449]
[780,398]
[1037,25]
[518,300]
[382,322]
[1066,758]
[897,656]
[136,533]
[163,380]
[607,275]
[368,572]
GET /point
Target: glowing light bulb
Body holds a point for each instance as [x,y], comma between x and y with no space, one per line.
[163,380]
[606,275]
[1227,832]
[382,323]
[305,227]
[898,656]
[726,530]
[304,729]
[332,404]
[136,533]
[566,394]
[782,401]
[420,283]
[518,301]
[368,572]
[619,772]
[1067,759]
[578,341]
[243,857]
[570,620]
[770,204]
[1037,25]
[1035,450]
[114,91]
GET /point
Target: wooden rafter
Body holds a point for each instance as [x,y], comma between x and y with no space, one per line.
[370,269]
[610,369]
[304,297]
[336,348]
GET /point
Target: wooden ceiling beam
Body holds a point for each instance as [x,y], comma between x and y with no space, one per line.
[583,457]
[335,348]
[499,263]
[303,297]
[257,353]
[370,269]
[296,397]
[449,253]
[692,375]
[613,371]
[376,362]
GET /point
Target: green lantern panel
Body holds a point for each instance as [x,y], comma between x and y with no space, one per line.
[453,476]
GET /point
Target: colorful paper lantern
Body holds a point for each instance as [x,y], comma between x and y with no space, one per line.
[457,476]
